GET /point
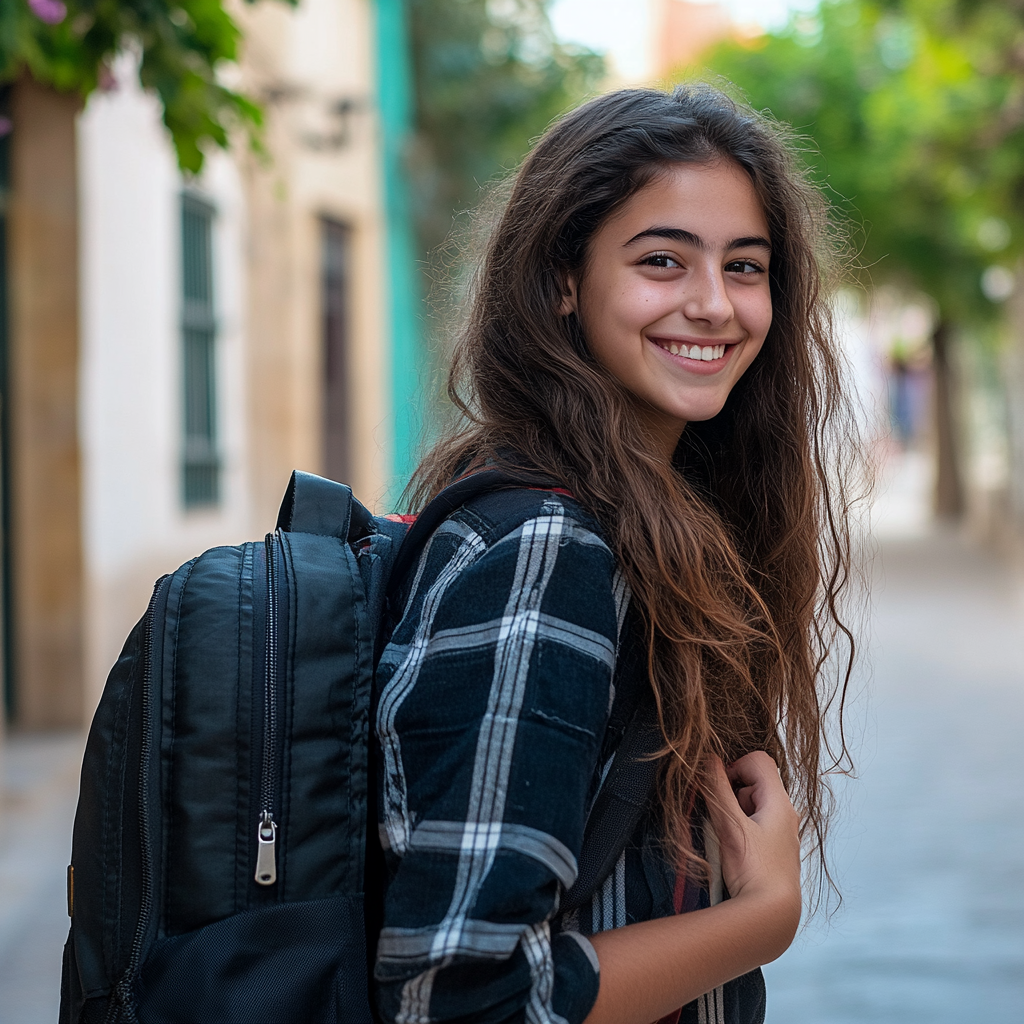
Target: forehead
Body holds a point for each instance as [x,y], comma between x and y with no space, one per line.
[716,201]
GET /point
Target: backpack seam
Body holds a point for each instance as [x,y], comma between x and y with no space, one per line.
[353,725]
[168,819]
[240,833]
[288,747]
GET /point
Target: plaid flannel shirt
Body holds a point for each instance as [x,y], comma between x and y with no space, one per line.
[500,700]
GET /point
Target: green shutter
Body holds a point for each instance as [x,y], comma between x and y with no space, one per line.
[200,462]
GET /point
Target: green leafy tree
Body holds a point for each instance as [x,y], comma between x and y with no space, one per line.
[914,111]
[896,110]
[69,44]
[489,76]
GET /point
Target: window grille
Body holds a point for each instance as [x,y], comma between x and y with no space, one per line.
[335,285]
[201,462]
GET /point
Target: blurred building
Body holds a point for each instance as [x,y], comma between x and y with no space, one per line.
[176,347]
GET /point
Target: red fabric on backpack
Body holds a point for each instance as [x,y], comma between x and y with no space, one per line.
[398,517]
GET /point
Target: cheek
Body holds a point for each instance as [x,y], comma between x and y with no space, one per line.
[766,318]
[627,311]
[614,316]
[757,314]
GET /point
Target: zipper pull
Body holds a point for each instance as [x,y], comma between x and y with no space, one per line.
[266,862]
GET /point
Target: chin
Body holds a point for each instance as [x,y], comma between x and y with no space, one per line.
[702,412]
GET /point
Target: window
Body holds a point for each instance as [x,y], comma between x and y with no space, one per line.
[335,274]
[200,464]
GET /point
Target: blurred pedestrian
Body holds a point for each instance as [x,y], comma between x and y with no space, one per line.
[907,371]
[649,338]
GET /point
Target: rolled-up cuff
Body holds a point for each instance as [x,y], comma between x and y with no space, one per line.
[577,976]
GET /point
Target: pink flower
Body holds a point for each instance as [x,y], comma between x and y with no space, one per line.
[50,11]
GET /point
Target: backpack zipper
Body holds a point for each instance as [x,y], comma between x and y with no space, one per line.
[266,827]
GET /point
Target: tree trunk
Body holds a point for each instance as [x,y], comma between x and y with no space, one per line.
[949,485]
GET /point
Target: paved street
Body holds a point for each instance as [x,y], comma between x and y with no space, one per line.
[930,852]
[39,796]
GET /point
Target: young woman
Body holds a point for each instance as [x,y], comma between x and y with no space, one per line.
[647,330]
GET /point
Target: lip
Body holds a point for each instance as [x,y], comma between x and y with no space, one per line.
[697,366]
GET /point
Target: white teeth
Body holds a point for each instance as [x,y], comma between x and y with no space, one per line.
[704,353]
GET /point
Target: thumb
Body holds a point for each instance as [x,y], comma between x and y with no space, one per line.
[727,817]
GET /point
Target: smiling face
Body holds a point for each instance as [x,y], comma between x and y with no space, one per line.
[674,298]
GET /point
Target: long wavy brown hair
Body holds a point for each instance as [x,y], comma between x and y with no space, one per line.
[738,552]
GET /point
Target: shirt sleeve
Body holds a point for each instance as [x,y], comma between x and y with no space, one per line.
[490,726]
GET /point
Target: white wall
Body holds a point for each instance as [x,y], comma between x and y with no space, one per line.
[135,526]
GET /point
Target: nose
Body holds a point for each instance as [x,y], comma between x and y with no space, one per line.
[707,300]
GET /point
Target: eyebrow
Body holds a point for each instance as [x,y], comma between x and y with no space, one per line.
[689,238]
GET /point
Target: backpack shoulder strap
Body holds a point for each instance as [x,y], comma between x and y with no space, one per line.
[620,803]
[453,497]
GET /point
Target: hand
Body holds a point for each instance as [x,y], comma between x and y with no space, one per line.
[758,834]
[652,968]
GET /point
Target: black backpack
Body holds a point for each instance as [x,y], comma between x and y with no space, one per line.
[220,855]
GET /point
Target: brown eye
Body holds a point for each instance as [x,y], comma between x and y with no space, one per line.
[662,260]
[744,267]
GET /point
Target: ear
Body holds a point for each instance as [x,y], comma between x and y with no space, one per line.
[568,303]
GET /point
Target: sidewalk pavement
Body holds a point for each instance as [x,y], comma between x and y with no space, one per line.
[929,853]
[40,790]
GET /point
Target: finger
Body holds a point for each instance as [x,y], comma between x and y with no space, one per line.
[745,797]
[756,770]
[757,776]
[753,768]
[726,815]
[716,777]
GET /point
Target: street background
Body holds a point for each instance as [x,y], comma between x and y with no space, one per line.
[929,846]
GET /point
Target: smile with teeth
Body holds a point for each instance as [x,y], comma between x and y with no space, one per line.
[703,353]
